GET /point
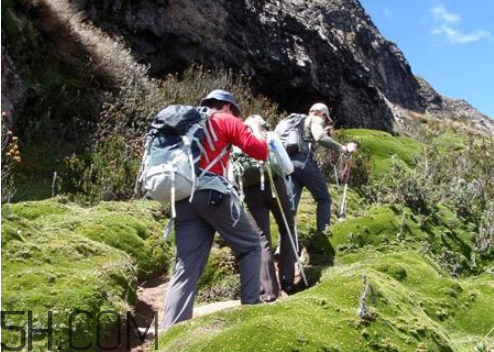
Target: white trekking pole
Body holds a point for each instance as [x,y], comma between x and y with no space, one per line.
[289,187]
[334,161]
[346,178]
[273,187]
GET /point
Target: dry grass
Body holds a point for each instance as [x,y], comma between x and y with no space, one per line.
[80,42]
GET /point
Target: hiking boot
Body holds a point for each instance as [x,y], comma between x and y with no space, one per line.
[268,298]
[289,288]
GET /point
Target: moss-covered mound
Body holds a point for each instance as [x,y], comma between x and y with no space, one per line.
[388,228]
[382,146]
[62,258]
[413,303]
[412,306]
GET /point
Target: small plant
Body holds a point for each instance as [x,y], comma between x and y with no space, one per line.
[484,239]
[364,312]
[10,157]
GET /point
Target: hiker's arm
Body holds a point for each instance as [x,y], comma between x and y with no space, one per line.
[242,137]
[320,136]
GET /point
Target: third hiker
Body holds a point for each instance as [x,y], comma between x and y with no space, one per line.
[308,132]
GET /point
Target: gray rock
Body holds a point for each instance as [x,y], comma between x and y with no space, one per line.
[297,52]
[13,90]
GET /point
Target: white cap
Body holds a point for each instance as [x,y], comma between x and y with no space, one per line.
[320,107]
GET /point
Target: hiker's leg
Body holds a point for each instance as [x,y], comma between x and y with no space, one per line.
[240,236]
[258,208]
[193,238]
[299,176]
[297,187]
[319,189]
[287,252]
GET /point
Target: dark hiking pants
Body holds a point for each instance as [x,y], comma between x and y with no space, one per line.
[260,203]
[307,174]
[195,226]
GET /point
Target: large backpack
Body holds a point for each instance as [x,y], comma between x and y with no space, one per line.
[291,133]
[173,148]
[248,172]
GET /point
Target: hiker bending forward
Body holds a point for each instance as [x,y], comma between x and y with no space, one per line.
[215,208]
[260,201]
[306,172]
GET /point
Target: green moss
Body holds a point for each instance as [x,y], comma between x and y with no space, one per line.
[381,225]
[61,257]
[325,318]
[221,263]
[451,140]
[33,210]
[396,271]
[61,272]
[129,235]
[381,146]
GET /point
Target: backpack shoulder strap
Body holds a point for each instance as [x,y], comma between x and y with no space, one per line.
[206,170]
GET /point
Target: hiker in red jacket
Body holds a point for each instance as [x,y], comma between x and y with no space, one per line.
[215,208]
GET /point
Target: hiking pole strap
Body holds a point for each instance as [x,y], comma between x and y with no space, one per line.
[348,170]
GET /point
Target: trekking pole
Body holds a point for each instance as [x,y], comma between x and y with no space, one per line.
[336,177]
[273,187]
[334,160]
[289,186]
[346,178]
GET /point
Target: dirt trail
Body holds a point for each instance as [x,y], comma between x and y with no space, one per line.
[150,299]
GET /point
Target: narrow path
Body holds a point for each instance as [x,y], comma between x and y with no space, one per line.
[150,299]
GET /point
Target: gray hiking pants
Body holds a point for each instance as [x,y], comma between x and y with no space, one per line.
[307,174]
[195,227]
[260,203]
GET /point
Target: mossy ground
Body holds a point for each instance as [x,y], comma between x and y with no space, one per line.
[382,146]
[62,257]
[418,305]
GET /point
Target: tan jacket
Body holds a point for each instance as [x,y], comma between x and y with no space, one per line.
[314,131]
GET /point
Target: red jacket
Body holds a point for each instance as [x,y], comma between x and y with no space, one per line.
[231,130]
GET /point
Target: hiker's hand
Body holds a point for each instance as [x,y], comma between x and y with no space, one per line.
[351,148]
[255,122]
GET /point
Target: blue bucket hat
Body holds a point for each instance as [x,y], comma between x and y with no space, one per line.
[222,95]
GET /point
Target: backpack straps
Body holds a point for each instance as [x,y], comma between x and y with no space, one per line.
[206,170]
[261,175]
[148,138]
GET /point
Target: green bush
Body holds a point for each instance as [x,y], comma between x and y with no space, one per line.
[108,168]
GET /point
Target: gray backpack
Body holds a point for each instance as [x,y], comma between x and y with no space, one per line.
[291,133]
[172,151]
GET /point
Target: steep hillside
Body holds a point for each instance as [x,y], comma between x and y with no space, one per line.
[295,51]
[426,254]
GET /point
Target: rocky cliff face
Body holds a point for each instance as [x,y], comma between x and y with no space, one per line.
[440,105]
[13,90]
[296,51]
